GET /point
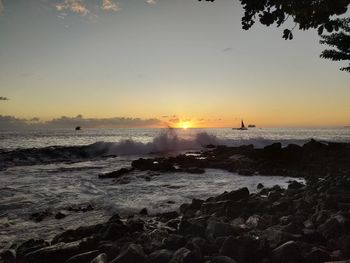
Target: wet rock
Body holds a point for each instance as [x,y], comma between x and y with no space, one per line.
[289,252]
[216,229]
[101,258]
[260,186]
[130,253]
[60,215]
[195,170]
[40,216]
[80,207]
[84,257]
[112,231]
[189,210]
[236,195]
[7,256]
[29,246]
[317,255]
[115,174]
[76,234]
[295,185]
[167,216]
[246,172]
[143,211]
[160,256]
[184,255]
[222,259]
[256,221]
[174,242]
[241,249]
[57,253]
[332,227]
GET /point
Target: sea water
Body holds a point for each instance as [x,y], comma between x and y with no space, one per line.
[57,185]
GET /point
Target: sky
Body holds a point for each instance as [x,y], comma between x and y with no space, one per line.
[161,62]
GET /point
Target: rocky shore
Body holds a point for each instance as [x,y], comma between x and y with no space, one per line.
[303,223]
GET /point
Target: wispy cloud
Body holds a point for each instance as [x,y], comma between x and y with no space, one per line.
[4,98]
[75,6]
[109,5]
[8,122]
[151,2]
[1,7]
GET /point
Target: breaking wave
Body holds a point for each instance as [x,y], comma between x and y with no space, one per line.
[166,141]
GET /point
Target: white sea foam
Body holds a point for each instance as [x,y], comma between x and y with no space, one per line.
[167,141]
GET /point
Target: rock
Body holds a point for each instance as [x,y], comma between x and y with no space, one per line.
[84,257]
[189,210]
[143,211]
[60,215]
[57,253]
[130,253]
[274,195]
[7,256]
[295,185]
[29,246]
[246,172]
[216,229]
[101,258]
[289,252]
[236,195]
[256,221]
[195,170]
[174,242]
[81,208]
[115,174]
[40,216]
[160,256]
[184,255]
[260,186]
[331,228]
[168,216]
[242,249]
[76,234]
[112,231]
[222,259]
[317,255]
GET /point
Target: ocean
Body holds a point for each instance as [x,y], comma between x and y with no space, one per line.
[55,177]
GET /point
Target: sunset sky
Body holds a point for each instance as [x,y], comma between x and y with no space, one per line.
[167,60]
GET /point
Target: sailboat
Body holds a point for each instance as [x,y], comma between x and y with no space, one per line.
[243,128]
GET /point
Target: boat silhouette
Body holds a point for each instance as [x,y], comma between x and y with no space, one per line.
[242,128]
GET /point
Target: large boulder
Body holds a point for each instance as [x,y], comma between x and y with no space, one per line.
[57,253]
[236,195]
[130,253]
[288,252]
[160,256]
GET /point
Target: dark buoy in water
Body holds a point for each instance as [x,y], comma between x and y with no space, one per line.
[78,128]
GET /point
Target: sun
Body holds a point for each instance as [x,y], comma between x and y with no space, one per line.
[185,125]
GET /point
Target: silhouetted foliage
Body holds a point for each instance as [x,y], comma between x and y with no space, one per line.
[306,14]
[340,41]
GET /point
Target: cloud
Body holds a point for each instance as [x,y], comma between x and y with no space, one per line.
[3,98]
[109,5]
[74,6]
[11,122]
[174,120]
[2,8]
[151,2]
[103,122]
[228,49]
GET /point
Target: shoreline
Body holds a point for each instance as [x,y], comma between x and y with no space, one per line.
[303,223]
